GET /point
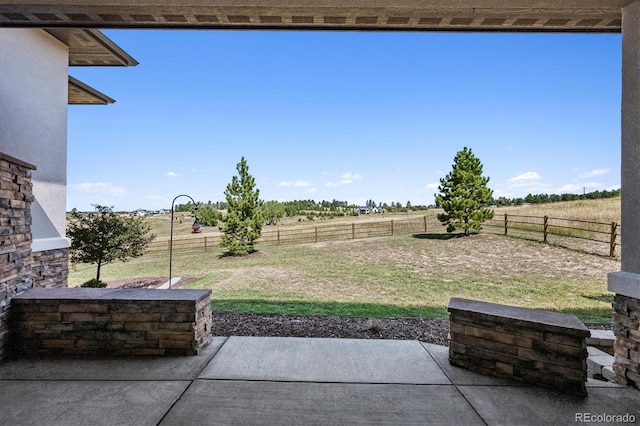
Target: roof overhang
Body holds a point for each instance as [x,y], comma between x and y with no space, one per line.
[89,47]
[81,94]
[380,15]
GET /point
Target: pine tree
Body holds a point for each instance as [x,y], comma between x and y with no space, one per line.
[464,194]
[243,222]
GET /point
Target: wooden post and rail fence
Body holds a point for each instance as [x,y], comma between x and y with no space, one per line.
[561,228]
[558,231]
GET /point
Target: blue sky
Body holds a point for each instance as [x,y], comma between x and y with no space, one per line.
[345,115]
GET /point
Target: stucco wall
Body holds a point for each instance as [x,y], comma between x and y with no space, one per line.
[33,123]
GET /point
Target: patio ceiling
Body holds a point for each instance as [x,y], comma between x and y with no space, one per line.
[386,15]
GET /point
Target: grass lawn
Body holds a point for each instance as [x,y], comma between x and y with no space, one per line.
[400,276]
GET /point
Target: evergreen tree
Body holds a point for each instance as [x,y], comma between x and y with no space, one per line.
[103,237]
[464,194]
[243,222]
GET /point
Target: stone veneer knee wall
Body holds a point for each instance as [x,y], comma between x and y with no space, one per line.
[529,345]
[98,322]
[626,327]
[16,197]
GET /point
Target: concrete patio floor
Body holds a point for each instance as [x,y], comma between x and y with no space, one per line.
[289,381]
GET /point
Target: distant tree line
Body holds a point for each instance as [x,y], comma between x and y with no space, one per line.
[211,213]
[554,198]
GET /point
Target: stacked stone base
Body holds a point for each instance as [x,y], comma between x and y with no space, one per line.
[626,327]
[538,347]
[16,196]
[104,322]
[50,268]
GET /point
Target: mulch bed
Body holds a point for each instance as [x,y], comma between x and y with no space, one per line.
[431,330]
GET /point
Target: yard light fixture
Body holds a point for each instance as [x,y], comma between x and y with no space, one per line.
[194,228]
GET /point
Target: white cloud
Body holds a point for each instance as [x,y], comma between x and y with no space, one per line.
[349,177]
[172,174]
[154,197]
[529,182]
[297,183]
[102,188]
[311,190]
[594,173]
[432,186]
[345,179]
[579,187]
[528,176]
[523,180]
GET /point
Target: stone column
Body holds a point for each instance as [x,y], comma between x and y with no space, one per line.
[626,283]
[15,236]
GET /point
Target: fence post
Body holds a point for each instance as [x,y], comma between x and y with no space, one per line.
[545,228]
[392,227]
[278,243]
[612,240]
[506,224]
[425,223]
[316,234]
[353,231]
[205,243]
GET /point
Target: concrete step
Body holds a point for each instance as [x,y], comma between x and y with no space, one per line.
[598,359]
[602,338]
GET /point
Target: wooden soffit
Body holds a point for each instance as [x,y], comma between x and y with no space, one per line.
[89,47]
[380,15]
[82,94]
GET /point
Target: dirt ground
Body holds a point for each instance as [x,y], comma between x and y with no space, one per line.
[146,283]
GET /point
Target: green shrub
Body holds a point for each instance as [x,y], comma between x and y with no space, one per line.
[93,283]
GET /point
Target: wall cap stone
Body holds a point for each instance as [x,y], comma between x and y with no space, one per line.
[98,294]
[535,318]
[624,283]
[14,160]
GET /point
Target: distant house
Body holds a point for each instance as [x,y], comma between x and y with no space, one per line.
[367,209]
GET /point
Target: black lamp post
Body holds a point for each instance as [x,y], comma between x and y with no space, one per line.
[195,228]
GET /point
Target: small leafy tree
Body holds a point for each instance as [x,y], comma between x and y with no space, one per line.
[103,237]
[208,215]
[244,219]
[272,212]
[464,194]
